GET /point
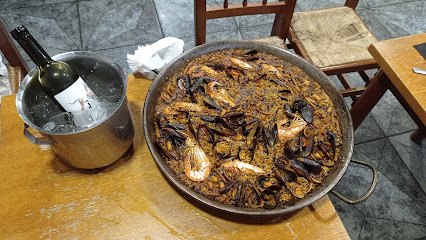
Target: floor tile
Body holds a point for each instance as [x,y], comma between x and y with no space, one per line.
[368,130]
[107,23]
[8,4]
[386,202]
[389,202]
[371,151]
[212,37]
[255,20]
[177,19]
[355,183]
[397,165]
[383,229]
[233,34]
[304,5]
[413,156]
[119,55]
[398,19]
[53,26]
[258,31]
[375,26]
[189,42]
[391,116]
[379,3]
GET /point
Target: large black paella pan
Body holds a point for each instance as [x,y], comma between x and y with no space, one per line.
[344,119]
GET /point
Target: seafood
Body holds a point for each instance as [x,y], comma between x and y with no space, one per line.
[244,167]
[214,92]
[273,72]
[231,61]
[201,70]
[197,164]
[248,129]
[177,107]
[286,133]
[300,187]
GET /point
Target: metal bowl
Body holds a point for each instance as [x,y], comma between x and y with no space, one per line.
[200,200]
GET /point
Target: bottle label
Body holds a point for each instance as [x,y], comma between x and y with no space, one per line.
[77,98]
[83,104]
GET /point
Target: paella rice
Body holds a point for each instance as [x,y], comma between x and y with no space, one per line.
[247,128]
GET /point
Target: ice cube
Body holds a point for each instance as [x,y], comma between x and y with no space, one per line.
[49,126]
[40,110]
[62,118]
[61,123]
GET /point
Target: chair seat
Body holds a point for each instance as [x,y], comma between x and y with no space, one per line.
[333,36]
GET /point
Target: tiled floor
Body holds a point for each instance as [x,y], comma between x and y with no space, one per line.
[397,207]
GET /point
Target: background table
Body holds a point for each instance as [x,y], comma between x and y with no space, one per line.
[396,58]
[43,198]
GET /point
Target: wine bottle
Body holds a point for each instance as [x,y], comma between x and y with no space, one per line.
[61,82]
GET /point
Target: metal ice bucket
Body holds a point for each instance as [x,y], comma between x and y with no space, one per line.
[102,143]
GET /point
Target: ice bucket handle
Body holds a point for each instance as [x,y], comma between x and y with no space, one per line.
[34,139]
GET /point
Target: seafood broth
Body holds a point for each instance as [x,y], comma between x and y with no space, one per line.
[247,128]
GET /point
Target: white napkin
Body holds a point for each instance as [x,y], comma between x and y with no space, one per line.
[4,80]
[155,56]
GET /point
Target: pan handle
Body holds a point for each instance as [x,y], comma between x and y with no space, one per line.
[368,193]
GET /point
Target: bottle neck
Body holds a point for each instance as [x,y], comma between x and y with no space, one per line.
[31,46]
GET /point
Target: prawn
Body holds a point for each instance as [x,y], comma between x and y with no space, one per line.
[176,108]
[198,70]
[228,62]
[286,133]
[219,94]
[197,164]
[244,167]
[272,71]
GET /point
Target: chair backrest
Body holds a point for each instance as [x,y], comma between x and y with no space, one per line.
[283,10]
[11,53]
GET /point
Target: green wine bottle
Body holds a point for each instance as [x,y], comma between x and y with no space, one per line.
[61,82]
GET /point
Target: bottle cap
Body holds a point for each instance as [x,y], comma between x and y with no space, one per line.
[20,32]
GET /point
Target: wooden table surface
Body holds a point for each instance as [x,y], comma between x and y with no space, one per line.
[397,57]
[42,198]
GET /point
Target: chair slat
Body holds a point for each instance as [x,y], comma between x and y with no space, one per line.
[365,76]
[250,9]
[283,10]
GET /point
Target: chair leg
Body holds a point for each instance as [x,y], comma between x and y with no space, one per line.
[418,135]
[200,21]
[282,20]
[374,92]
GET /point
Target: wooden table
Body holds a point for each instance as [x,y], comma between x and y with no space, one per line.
[42,198]
[396,58]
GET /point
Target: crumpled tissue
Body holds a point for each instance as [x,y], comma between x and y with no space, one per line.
[150,59]
[4,80]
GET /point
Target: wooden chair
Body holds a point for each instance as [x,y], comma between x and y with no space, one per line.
[17,66]
[336,40]
[283,10]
